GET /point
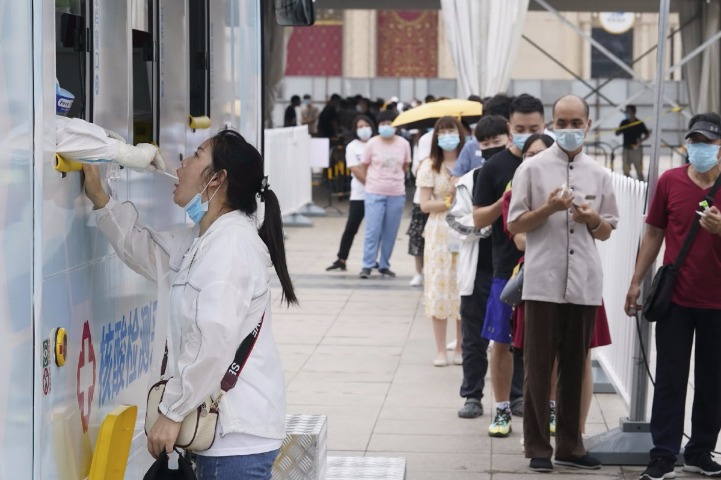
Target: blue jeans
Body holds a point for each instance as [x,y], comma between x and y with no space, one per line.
[383,217]
[257,466]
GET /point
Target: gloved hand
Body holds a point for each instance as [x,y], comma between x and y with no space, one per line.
[142,156]
[157,164]
[113,135]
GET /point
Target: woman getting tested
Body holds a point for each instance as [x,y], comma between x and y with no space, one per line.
[214,281]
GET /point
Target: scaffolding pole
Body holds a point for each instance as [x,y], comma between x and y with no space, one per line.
[598,46]
[631,442]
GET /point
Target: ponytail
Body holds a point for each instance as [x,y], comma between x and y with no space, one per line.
[244,165]
[272,234]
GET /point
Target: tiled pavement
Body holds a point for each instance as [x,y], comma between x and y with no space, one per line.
[360,352]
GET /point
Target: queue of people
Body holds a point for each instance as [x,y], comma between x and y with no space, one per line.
[518,194]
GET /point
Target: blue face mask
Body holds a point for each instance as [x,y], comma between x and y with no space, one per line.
[364,133]
[570,139]
[703,156]
[519,139]
[386,131]
[449,141]
[196,208]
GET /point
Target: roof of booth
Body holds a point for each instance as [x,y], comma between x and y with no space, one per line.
[561,5]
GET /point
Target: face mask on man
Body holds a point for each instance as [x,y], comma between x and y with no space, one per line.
[196,208]
[570,139]
[519,139]
[386,131]
[489,152]
[364,133]
[449,141]
[306,102]
[703,156]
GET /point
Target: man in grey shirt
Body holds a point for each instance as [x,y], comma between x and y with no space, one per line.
[564,201]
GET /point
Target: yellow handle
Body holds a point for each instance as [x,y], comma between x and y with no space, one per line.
[202,122]
[65,166]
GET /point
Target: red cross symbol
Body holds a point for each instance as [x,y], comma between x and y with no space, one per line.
[86,376]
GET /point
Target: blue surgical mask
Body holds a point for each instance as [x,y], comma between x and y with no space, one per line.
[570,139]
[519,139]
[449,141]
[364,133]
[703,156]
[196,208]
[386,131]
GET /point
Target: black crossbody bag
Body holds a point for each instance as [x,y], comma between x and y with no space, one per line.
[659,296]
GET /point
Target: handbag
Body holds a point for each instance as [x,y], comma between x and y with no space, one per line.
[159,469]
[512,292]
[197,430]
[659,295]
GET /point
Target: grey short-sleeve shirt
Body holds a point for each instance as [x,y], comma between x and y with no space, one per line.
[562,264]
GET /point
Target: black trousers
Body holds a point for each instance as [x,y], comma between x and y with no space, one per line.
[475,347]
[517,379]
[356,212]
[674,340]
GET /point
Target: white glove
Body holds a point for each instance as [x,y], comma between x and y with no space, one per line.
[142,156]
[157,164]
[114,135]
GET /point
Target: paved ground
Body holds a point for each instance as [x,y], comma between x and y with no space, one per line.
[360,352]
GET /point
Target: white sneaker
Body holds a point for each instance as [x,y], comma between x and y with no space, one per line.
[416,281]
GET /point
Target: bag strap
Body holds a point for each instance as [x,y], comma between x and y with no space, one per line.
[241,357]
[696,225]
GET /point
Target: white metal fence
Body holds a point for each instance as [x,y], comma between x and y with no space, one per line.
[618,256]
[287,164]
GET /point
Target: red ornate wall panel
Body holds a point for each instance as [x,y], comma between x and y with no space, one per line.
[316,51]
[407,43]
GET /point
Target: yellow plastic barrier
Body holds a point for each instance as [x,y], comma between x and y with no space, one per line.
[113,446]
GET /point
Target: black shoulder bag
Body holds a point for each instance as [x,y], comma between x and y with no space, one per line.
[659,296]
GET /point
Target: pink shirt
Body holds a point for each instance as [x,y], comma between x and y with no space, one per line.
[385,162]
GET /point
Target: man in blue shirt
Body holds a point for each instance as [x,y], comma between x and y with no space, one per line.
[469,159]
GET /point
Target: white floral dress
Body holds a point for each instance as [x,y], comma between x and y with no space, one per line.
[440,291]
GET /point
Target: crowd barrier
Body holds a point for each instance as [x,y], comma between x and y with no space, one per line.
[618,257]
[287,164]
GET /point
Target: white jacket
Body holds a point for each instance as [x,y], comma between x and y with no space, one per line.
[460,219]
[212,292]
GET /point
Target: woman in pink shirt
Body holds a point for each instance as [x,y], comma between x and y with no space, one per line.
[385,161]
